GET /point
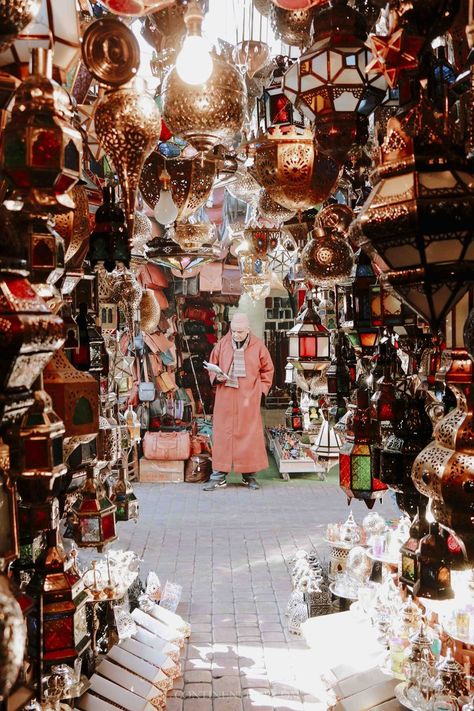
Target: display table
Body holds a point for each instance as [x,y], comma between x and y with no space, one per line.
[302,465]
[346,654]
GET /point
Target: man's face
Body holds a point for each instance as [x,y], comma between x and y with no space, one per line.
[240,334]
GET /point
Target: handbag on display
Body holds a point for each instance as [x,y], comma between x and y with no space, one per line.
[187,287]
[231,280]
[165,382]
[166,446]
[194,313]
[210,277]
[198,469]
[146,389]
[194,328]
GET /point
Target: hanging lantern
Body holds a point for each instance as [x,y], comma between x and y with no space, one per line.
[408,552]
[329,85]
[273,107]
[337,375]
[108,241]
[444,470]
[167,253]
[191,182]
[93,515]
[192,236]
[14,17]
[41,152]
[309,340]
[142,234]
[283,256]
[74,228]
[87,355]
[356,477]
[127,293]
[244,187]
[271,211]
[255,276]
[75,396]
[40,466]
[354,306]
[45,249]
[252,56]
[291,25]
[57,625]
[55,26]
[327,259]
[128,124]
[327,444]
[434,571]
[12,638]
[123,496]
[208,113]
[8,505]
[417,221]
[150,311]
[291,170]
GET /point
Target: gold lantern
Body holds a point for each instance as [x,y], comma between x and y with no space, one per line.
[128,124]
[74,228]
[270,210]
[191,182]
[41,152]
[150,311]
[244,187]
[142,234]
[192,236]
[14,17]
[93,515]
[292,26]
[75,395]
[291,170]
[209,113]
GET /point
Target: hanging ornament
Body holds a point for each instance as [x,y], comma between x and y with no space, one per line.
[142,234]
[329,85]
[74,228]
[270,210]
[252,56]
[395,54]
[283,256]
[290,25]
[327,259]
[14,17]
[110,52]
[192,236]
[165,210]
[93,515]
[209,113]
[292,171]
[128,124]
[417,221]
[244,187]
[127,293]
[191,182]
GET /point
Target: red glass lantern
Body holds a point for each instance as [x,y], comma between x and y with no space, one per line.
[329,84]
[93,515]
[274,108]
[57,626]
[356,476]
[309,340]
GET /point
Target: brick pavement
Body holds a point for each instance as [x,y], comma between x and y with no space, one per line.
[229,549]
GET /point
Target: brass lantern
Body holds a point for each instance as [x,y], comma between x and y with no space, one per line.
[192,237]
[309,340]
[41,152]
[290,168]
[40,462]
[45,249]
[14,17]
[75,395]
[417,222]
[273,107]
[57,626]
[291,25]
[328,83]
[93,515]
[123,496]
[209,113]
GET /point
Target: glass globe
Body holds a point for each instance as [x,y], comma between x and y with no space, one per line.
[327,259]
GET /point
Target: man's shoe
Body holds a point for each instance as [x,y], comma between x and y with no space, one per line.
[211,485]
[251,482]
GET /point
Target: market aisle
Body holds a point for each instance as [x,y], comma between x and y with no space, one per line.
[230,549]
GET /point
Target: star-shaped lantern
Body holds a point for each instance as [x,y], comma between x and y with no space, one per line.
[394,54]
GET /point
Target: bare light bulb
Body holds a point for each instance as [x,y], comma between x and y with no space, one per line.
[194,63]
[165,210]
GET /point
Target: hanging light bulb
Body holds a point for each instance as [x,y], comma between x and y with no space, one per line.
[165,210]
[194,63]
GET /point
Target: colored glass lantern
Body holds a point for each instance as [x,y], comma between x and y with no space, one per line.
[87,356]
[93,515]
[338,376]
[408,551]
[329,84]
[434,567]
[57,626]
[309,340]
[45,249]
[75,396]
[41,152]
[356,476]
[273,107]
[9,547]
[124,497]
[108,242]
[40,451]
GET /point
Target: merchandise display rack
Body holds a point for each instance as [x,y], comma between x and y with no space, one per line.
[302,465]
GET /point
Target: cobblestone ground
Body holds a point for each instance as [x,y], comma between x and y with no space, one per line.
[229,549]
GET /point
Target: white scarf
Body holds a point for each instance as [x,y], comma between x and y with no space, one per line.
[237,369]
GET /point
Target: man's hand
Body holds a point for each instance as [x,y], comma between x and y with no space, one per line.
[221,378]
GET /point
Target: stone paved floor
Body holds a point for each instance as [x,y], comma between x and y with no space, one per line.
[229,549]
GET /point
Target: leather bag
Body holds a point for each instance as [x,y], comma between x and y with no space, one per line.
[194,328]
[198,469]
[167,446]
[146,389]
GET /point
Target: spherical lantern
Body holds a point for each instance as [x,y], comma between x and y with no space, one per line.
[292,171]
[209,113]
[270,210]
[291,25]
[417,222]
[327,259]
[329,85]
[192,236]
[244,187]
[128,124]
[191,182]
[14,17]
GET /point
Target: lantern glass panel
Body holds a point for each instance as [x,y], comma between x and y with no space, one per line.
[108,526]
[90,530]
[58,632]
[37,453]
[345,470]
[368,340]
[308,347]
[293,348]
[80,626]
[82,412]
[361,468]
[58,456]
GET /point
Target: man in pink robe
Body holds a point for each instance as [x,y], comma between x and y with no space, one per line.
[238,439]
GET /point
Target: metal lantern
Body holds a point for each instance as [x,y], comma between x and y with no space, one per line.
[75,396]
[408,551]
[329,85]
[191,182]
[40,442]
[41,152]
[417,221]
[309,340]
[93,515]
[45,249]
[8,505]
[434,566]
[273,107]
[290,168]
[327,259]
[123,496]
[57,625]
[193,236]
[356,476]
[14,17]
[209,113]
[291,25]
[56,26]
[255,276]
